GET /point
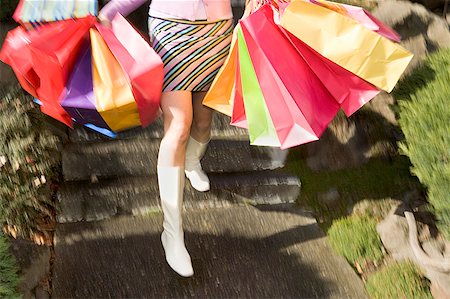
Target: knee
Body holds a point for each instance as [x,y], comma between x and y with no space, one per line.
[202,125]
[178,133]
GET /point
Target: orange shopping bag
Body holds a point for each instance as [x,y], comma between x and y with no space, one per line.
[114,98]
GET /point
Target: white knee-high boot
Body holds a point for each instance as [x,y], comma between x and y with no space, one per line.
[193,169]
[171,187]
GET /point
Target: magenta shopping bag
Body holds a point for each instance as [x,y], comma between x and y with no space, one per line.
[299,104]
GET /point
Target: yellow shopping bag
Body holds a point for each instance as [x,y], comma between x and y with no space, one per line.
[347,43]
[113,96]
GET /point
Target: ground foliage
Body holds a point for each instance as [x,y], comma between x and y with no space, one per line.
[424,117]
[29,163]
[9,278]
[398,280]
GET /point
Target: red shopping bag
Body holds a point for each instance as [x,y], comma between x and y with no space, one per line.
[54,50]
[238,118]
[16,53]
[42,59]
[141,63]
[298,102]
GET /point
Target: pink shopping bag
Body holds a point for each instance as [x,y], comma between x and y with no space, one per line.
[141,63]
[298,102]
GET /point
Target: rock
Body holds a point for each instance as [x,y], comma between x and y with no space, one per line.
[34,263]
[431,4]
[413,20]
[434,248]
[41,293]
[441,283]
[376,208]
[329,198]
[28,295]
[393,231]
[438,249]
[438,292]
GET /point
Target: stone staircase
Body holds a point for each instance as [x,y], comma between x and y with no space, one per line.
[106,178]
[245,236]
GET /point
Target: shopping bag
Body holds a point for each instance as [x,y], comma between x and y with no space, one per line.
[260,127]
[223,90]
[220,95]
[347,43]
[238,118]
[350,91]
[79,98]
[54,50]
[361,15]
[16,53]
[299,105]
[37,11]
[142,65]
[113,95]
[43,59]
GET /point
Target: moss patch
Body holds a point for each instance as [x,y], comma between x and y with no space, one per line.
[356,239]
[398,280]
[377,179]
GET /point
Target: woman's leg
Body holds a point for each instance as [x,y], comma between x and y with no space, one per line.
[201,124]
[177,114]
[198,142]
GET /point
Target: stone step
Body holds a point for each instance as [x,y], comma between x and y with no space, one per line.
[86,201]
[221,129]
[138,157]
[237,252]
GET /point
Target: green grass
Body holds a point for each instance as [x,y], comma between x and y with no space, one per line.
[9,278]
[356,239]
[377,179]
[424,117]
[398,280]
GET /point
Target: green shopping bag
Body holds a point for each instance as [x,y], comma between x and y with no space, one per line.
[260,126]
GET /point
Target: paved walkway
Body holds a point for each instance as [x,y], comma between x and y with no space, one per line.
[237,252]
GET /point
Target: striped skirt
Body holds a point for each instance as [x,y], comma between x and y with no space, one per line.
[192,52]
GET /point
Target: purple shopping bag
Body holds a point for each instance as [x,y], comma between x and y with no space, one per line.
[79,100]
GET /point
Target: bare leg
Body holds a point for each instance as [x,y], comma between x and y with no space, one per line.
[201,124]
[177,114]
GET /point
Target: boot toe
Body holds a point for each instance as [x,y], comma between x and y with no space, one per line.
[183,269]
[177,257]
[199,180]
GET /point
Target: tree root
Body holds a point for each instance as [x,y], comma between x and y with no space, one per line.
[441,265]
